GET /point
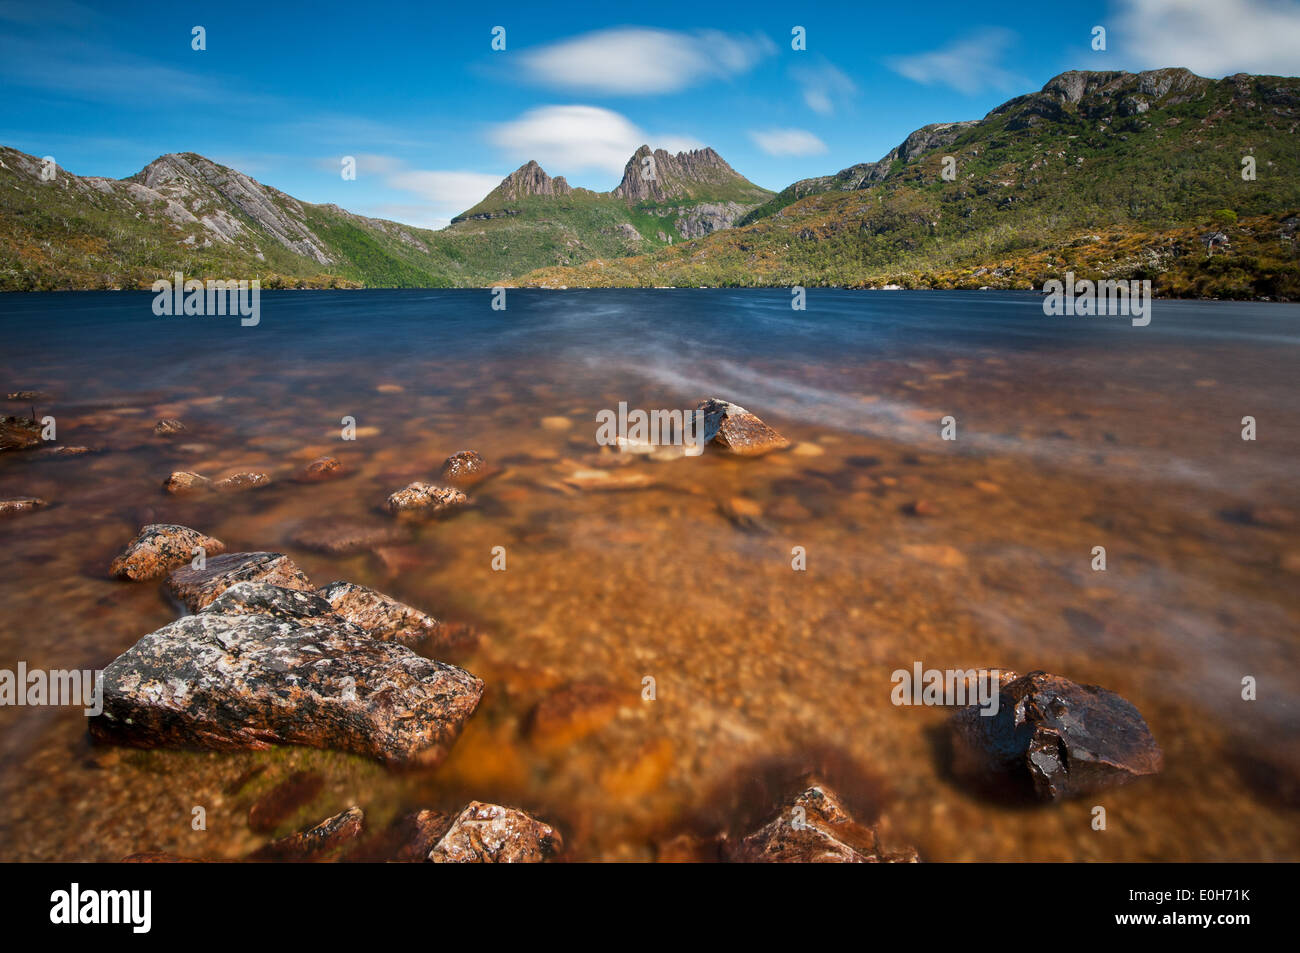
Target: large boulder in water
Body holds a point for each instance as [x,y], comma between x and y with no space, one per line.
[733,428]
[1054,739]
[262,665]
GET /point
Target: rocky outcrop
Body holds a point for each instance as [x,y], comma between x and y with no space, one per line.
[265,665]
[667,177]
[735,429]
[492,834]
[187,180]
[814,828]
[708,217]
[196,588]
[1054,739]
[159,547]
[425,499]
[168,427]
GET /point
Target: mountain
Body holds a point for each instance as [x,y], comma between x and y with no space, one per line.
[186,213]
[662,198]
[1106,174]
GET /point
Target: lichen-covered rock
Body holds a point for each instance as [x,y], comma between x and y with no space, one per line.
[183,482]
[734,428]
[264,665]
[198,587]
[492,834]
[465,469]
[1054,738]
[315,842]
[425,499]
[160,547]
[815,828]
[19,432]
[20,504]
[380,616]
[238,482]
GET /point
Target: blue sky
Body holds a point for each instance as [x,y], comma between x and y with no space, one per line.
[435,117]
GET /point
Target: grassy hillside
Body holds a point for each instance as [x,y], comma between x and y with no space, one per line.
[1110,174]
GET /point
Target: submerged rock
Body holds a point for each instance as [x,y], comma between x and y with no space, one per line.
[20,504]
[1054,738]
[265,665]
[380,616]
[465,469]
[414,835]
[239,482]
[322,468]
[815,828]
[183,482]
[734,428]
[492,834]
[315,842]
[17,433]
[159,547]
[425,499]
[337,537]
[198,587]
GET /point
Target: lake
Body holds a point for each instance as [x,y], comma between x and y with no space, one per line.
[1071,433]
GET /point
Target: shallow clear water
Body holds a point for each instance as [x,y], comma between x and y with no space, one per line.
[1072,433]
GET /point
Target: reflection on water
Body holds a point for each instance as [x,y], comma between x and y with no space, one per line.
[1072,433]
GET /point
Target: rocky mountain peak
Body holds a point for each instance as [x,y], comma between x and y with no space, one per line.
[530,179]
[657,175]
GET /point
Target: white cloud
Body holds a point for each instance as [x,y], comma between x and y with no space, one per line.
[787,142]
[443,193]
[968,65]
[569,139]
[640,61]
[822,86]
[1211,37]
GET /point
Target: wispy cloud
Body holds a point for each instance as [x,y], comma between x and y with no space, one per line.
[787,142]
[968,65]
[634,61]
[442,193]
[823,86]
[1211,37]
[568,139]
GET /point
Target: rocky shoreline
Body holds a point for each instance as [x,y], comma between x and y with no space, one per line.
[264,656]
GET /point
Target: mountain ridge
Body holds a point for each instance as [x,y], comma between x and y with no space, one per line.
[1150,159]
